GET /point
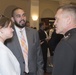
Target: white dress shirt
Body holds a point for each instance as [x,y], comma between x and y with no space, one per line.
[9,65]
[18,31]
[18,34]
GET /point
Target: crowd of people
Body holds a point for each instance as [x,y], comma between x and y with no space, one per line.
[23,50]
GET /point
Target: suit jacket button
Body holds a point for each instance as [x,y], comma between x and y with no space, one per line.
[24,72]
[23,62]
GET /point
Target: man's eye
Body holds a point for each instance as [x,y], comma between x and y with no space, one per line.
[17,16]
[24,15]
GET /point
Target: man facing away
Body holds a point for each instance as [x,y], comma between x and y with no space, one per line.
[65,53]
[27,51]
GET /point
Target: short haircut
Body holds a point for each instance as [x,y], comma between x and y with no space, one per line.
[70,8]
[41,24]
[15,10]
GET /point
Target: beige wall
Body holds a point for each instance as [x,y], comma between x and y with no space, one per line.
[48,8]
[7,5]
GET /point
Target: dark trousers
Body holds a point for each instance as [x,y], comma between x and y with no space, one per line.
[44,52]
[29,73]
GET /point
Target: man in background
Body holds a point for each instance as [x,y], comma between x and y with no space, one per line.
[27,23]
[44,46]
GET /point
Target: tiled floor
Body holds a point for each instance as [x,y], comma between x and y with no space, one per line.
[47,74]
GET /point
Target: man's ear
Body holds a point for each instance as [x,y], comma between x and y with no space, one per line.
[69,19]
[12,19]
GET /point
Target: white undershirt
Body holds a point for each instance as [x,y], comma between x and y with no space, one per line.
[18,34]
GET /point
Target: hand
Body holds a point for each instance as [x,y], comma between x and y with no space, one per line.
[41,42]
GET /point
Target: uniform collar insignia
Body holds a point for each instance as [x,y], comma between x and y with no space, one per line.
[66,36]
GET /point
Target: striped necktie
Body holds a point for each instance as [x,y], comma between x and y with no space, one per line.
[24,50]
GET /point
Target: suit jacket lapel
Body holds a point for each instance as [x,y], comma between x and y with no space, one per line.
[29,39]
[15,38]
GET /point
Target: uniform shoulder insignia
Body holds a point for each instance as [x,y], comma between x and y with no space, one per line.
[66,36]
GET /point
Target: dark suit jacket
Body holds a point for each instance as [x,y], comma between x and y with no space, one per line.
[65,55]
[55,39]
[35,58]
[42,37]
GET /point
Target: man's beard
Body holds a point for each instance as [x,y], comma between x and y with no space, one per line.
[20,26]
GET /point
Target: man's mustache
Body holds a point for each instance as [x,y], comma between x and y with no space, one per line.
[23,20]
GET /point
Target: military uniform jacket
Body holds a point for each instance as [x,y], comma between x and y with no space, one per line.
[65,55]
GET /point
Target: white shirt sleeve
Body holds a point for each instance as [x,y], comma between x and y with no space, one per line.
[5,64]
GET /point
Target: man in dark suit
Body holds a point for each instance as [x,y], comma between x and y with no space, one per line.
[34,54]
[44,46]
[53,41]
[65,53]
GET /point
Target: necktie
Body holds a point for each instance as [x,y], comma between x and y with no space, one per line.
[24,50]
